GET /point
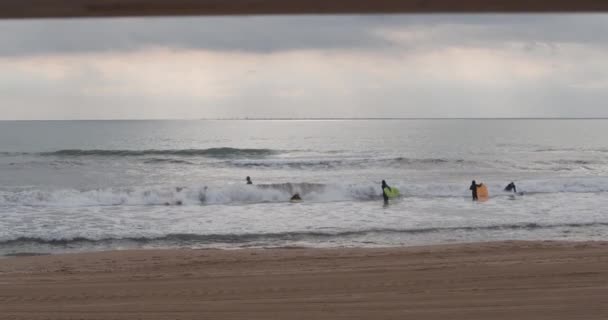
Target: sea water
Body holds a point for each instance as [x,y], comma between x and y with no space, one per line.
[96,185]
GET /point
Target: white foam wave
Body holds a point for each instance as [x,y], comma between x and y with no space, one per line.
[242,194]
[232,194]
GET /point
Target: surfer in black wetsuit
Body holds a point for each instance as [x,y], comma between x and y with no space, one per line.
[249,180]
[511,187]
[473,189]
[384,185]
[296,197]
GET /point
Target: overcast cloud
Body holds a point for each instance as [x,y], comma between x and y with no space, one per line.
[306,66]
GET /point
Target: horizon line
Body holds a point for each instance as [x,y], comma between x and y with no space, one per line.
[320,118]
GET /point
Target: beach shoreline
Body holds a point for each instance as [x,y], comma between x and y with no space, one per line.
[491,280]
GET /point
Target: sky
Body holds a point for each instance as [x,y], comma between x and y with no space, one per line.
[305,66]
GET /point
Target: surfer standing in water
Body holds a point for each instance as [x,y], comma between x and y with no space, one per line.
[473,189]
[384,195]
[249,180]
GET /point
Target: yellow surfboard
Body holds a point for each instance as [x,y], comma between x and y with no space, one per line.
[482,192]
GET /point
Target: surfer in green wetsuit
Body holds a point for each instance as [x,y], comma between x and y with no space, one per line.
[384,195]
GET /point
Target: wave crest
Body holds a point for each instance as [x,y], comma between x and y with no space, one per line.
[340,163]
[224,152]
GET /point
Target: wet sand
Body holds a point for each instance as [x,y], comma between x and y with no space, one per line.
[503,280]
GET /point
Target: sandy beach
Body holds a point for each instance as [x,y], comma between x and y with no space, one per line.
[502,280]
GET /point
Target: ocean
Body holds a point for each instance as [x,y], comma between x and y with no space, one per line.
[73,186]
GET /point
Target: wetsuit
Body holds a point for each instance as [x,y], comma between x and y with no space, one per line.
[511,187]
[384,185]
[249,181]
[473,189]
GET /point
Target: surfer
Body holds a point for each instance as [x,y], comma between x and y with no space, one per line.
[473,189]
[202,195]
[511,187]
[249,180]
[296,197]
[384,195]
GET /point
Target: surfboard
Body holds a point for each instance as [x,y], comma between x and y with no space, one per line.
[482,192]
[392,193]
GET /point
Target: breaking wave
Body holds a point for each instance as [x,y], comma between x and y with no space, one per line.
[278,192]
[232,194]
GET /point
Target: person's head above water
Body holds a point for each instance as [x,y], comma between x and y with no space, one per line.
[249,180]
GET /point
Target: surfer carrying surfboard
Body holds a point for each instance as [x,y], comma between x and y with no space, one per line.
[385,187]
[473,189]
